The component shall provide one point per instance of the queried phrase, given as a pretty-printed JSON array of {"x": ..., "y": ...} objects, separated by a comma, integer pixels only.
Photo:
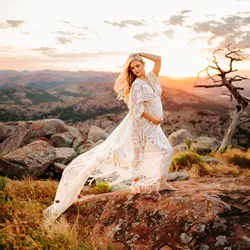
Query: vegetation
[
  {"x": 21, "y": 207},
  {"x": 22, "y": 202},
  {"x": 14, "y": 95},
  {"x": 186, "y": 160}
]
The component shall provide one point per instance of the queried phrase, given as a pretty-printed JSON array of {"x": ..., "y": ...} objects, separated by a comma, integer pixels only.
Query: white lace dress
[{"x": 136, "y": 148}]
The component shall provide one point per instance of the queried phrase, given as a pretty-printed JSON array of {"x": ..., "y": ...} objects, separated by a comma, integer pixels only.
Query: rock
[
  {"x": 109, "y": 129},
  {"x": 62, "y": 139},
  {"x": 205, "y": 144},
  {"x": 44, "y": 128},
  {"x": 31, "y": 160},
  {"x": 179, "y": 137},
  {"x": 180, "y": 147},
  {"x": 178, "y": 175},
  {"x": 96, "y": 133},
  {"x": 64, "y": 155},
  {"x": 59, "y": 167},
  {"x": 206, "y": 213},
  {"x": 18, "y": 134},
  {"x": 211, "y": 160}
]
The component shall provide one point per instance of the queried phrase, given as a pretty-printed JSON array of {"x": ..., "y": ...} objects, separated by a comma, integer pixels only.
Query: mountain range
[{"x": 77, "y": 97}]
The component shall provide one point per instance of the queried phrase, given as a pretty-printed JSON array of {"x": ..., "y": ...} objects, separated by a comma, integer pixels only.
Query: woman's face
[{"x": 137, "y": 67}]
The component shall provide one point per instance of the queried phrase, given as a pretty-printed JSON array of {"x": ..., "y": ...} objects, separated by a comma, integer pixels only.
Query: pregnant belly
[{"x": 155, "y": 108}]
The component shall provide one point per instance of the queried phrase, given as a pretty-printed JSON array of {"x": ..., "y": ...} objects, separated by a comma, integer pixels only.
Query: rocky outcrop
[
  {"x": 18, "y": 134},
  {"x": 210, "y": 213},
  {"x": 31, "y": 160},
  {"x": 179, "y": 137},
  {"x": 95, "y": 134},
  {"x": 201, "y": 145},
  {"x": 32, "y": 148}
]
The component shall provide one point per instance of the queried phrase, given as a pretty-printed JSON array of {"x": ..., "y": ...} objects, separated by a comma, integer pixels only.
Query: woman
[{"x": 136, "y": 154}]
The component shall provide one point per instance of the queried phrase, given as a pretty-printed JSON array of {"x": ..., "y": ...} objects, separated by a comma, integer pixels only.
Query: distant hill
[
  {"x": 15, "y": 94},
  {"x": 77, "y": 97},
  {"x": 46, "y": 79}
]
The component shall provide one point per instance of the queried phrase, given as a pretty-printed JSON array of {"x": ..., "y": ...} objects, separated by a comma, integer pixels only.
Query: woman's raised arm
[{"x": 156, "y": 59}]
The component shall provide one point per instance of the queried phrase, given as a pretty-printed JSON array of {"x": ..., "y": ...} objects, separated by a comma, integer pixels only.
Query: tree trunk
[{"x": 231, "y": 129}]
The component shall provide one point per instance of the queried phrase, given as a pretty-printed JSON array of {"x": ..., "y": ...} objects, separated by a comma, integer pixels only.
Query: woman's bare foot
[
  {"x": 135, "y": 189},
  {"x": 165, "y": 186}
]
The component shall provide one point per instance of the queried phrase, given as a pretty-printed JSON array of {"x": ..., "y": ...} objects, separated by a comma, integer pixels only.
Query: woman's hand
[{"x": 157, "y": 121}]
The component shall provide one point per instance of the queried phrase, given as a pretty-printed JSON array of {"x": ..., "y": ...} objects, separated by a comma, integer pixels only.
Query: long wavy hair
[{"x": 126, "y": 78}]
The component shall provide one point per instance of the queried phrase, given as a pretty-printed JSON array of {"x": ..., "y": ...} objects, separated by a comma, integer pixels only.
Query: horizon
[{"x": 76, "y": 35}]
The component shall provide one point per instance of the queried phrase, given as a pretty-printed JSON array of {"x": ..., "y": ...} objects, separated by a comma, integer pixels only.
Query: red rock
[{"x": 191, "y": 217}]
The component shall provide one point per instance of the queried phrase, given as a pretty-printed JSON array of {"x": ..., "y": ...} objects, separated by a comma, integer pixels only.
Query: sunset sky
[{"x": 99, "y": 35}]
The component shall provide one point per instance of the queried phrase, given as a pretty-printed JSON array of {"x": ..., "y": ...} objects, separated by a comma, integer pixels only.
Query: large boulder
[
  {"x": 71, "y": 138},
  {"x": 18, "y": 134},
  {"x": 204, "y": 144},
  {"x": 31, "y": 160},
  {"x": 64, "y": 155},
  {"x": 96, "y": 133},
  {"x": 206, "y": 213},
  {"x": 179, "y": 137}
]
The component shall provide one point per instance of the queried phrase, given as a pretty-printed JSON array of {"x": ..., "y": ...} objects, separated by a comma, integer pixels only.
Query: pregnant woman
[{"x": 137, "y": 154}]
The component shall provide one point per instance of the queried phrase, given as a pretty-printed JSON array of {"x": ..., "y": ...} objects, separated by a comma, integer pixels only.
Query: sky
[{"x": 100, "y": 34}]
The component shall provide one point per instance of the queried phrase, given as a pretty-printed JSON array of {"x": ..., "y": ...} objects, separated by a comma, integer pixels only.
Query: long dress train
[{"x": 136, "y": 148}]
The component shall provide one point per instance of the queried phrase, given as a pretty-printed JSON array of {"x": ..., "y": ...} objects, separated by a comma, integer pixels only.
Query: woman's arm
[
  {"x": 152, "y": 118},
  {"x": 156, "y": 59}
]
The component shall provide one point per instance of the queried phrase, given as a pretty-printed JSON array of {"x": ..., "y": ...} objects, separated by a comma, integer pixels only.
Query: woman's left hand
[{"x": 158, "y": 121}]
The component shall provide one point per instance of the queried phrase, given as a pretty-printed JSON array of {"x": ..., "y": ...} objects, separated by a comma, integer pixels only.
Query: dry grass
[
  {"x": 233, "y": 163},
  {"x": 22, "y": 204},
  {"x": 21, "y": 207}
]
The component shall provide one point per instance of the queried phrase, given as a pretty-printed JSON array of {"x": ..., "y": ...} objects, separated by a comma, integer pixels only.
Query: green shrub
[
  {"x": 241, "y": 161},
  {"x": 189, "y": 144},
  {"x": 3, "y": 182},
  {"x": 103, "y": 187},
  {"x": 187, "y": 159}
]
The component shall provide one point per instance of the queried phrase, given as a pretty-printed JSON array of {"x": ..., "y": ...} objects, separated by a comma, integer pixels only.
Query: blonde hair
[{"x": 126, "y": 78}]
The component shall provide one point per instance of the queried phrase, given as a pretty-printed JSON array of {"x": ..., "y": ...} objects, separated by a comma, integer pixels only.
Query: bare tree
[{"x": 216, "y": 76}]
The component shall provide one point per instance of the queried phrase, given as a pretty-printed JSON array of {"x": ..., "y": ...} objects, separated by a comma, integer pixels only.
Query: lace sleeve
[
  {"x": 137, "y": 97},
  {"x": 154, "y": 78}
]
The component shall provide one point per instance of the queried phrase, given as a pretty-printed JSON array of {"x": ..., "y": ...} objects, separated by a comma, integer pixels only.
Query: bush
[
  {"x": 186, "y": 159},
  {"x": 3, "y": 182},
  {"x": 241, "y": 161},
  {"x": 103, "y": 187}
]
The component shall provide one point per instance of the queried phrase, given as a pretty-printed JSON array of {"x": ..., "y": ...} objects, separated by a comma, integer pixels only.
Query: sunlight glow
[{"x": 99, "y": 35}]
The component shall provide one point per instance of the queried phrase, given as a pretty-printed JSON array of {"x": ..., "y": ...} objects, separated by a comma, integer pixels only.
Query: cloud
[
  {"x": 125, "y": 23},
  {"x": 65, "y": 33},
  {"x": 145, "y": 36},
  {"x": 231, "y": 29},
  {"x": 14, "y": 23},
  {"x": 169, "y": 33},
  {"x": 64, "y": 40},
  {"x": 11, "y": 24},
  {"x": 83, "y": 27},
  {"x": 185, "y": 11},
  {"x": 6, "y": 49},
  {"x": 52, "y": 53},
  {"x": 244, "y": 40},
  {"x": 3, "y": 25},
  {"x": 65, "y": 22},
  {"x": 44, "y": 49},
  {"x": 67, "y": 37},
  {"x": 178, "y": 19}
]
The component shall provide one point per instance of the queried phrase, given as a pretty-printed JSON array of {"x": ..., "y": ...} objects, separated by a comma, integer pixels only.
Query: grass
[
  {"x": 234, "y": 163},
  {"x": 23, "y": 202},
  {"x": 21, "y": 207}
]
